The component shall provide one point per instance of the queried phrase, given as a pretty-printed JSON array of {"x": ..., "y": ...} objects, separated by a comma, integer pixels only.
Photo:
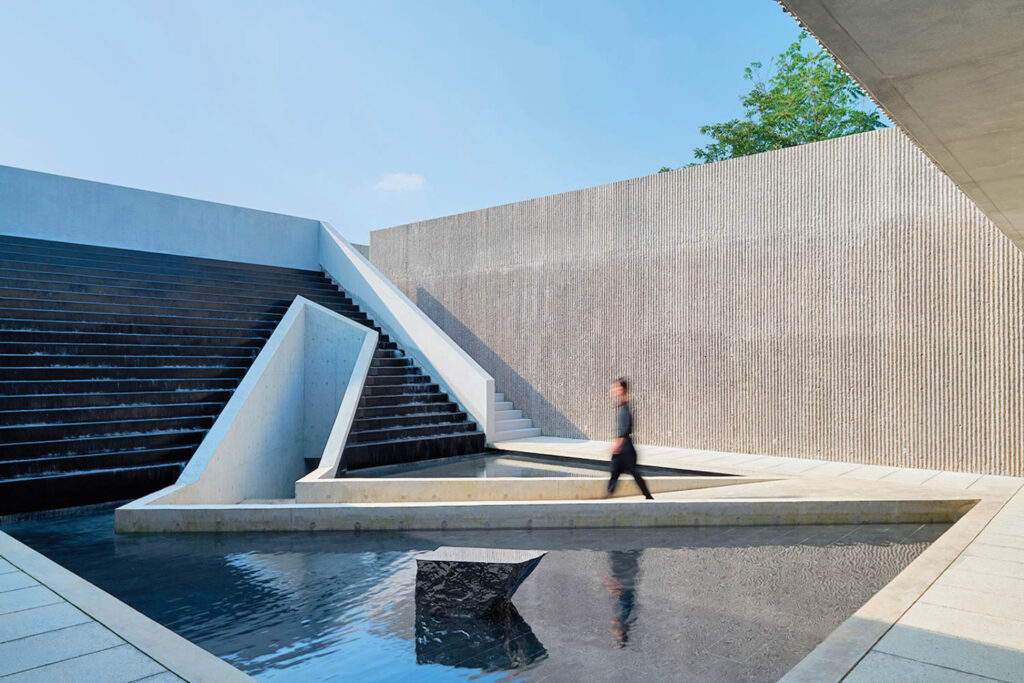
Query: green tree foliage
[{"x": 804, "y": 98}]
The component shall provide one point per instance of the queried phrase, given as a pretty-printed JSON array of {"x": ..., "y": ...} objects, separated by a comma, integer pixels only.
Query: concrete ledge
[
  {"x": 423, "y": 490},
  {"x": 539, "y": 515},
  {"x": 855, "y": 637},
  {"x": 178, "y": 655}
]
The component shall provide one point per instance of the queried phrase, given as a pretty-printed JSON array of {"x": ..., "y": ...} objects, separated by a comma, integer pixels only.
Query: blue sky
[{"x": 371, "y": 114}]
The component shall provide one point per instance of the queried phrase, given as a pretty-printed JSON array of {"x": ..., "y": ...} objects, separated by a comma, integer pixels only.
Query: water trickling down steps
[{"x": 114, "y": 364}]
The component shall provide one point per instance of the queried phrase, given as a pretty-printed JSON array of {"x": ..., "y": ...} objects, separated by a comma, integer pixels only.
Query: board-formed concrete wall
[{"x": 840, "y": 300}]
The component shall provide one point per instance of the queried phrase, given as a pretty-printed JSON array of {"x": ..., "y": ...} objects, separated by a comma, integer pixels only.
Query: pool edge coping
[{"x": 175, "y": 653}]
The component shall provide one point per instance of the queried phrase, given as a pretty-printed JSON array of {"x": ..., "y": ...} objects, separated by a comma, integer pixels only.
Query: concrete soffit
[{"x": 948, "y": 74}]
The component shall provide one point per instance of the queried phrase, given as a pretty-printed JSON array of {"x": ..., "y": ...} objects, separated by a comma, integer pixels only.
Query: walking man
[{"x": 623, "y": 453}]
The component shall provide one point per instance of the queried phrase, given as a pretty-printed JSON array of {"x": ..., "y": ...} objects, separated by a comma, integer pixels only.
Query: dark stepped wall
[{"x": 115, "y": 363}]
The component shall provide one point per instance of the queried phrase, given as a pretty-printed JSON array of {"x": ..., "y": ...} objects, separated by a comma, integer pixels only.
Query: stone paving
[
  {"x": 955, "y": 614},
  {"x": 55, "y": 626}
]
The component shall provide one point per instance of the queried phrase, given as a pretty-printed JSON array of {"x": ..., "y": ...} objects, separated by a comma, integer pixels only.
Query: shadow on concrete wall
[{"x": 550, "y": 420}]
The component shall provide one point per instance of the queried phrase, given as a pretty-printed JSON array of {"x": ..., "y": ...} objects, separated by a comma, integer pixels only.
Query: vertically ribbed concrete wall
[{"x": 841, "y": 300}]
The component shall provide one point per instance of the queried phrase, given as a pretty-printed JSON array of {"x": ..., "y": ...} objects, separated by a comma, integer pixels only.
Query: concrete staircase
[
  {"x": 115, "y": 363},
  {"x": 510, "y": 424}
]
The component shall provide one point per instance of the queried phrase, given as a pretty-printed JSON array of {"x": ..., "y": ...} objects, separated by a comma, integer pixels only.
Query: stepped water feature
[{"x": 114, "y": 364}]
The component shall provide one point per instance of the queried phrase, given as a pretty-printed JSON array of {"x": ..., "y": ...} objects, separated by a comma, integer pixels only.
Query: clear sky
[{"x": 371, "y": 113}]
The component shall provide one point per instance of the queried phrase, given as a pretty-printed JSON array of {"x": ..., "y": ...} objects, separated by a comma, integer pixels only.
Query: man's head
[{"x": 619, "y": 388}]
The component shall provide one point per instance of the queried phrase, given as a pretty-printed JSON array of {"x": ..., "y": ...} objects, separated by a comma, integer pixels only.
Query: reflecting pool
[
  {"x": 511, "y": 464},
  {"x": 721, "y": 604}
]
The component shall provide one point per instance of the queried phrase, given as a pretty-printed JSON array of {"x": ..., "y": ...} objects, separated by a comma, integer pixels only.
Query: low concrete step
[
  {"x": 513, "y": 425},
  {"x": 517, "y": 434}
]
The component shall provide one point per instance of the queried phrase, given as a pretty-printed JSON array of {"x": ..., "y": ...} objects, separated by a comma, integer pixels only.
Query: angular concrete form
[
  {"x": 950, "y": 73},
  {"x": 471, "y": 582}
]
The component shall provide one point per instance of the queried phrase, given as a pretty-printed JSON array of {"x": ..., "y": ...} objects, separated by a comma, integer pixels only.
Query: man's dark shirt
[
  {"x": 624, "y": 431},
  {"x": 623, "y": 421}
]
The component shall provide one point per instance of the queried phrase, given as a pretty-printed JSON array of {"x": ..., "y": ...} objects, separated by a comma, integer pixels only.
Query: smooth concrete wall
[
  {"x": 841, "y": 300},
  {"x": 283, "y": 411},
  {"x": 63, "y": 209}
]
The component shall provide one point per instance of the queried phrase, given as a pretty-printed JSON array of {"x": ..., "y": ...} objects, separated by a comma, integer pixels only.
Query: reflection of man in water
[
  {"x": 625, "y": 568},
  {"x": 623, "y": 453}
]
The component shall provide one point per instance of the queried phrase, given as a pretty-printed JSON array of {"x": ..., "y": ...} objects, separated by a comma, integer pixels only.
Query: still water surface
[{"x": 717, "y": 604}]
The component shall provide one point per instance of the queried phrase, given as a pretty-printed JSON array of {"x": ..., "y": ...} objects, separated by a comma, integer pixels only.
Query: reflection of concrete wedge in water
[
  {"x": 498, "y": 641},
  {"x": 470, "y": 581},
  {"x": 463, "y": 614}
]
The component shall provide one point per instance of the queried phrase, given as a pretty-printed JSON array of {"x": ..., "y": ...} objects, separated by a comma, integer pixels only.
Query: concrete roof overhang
[{"x": 949, "y": 73}]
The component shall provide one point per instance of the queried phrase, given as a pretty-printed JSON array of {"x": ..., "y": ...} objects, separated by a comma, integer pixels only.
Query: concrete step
[
  {"x": 113, "y": 413},
  {"x": 11, "y": 435},
  {"x": 513, "y": 425},
  {"x": 98, "y": 461},
  {"x": 72, "y": 489},
  {"x": 125, "y": 349},
  {"x": 103, "y": 386},
  {"x": 506, "y": 414},
  {"x": 70, "y": 401},
  {"x": 400, "y": 433},
  {"x": 387, "y": 422},
  {"x": 399, "y": 400},
  {"x": 15, "y": 378},
  {"x": 30, "y": 315},
  {"x": 304, "y": 286},
  {"x": 415, "y": 449},
  {"x": 415, "y": 389},
  {"x": 83, "y": 361},
  {"x": 517, "y": 434},
  {"x": 141, "y": 334},
  {"x": 86, "y": 255},
  {"x": 410, "y": 376},
  {"x": 403, "y": 409},
  {"x": 27, "y": 306},
  {"x": 11, "y": 327},
  {"x": 46, "y": 289},
  {"x": 102, "y": 444}
]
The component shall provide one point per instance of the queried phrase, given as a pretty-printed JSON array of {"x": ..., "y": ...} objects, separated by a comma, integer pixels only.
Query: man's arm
[{"x": 617, "y": 445}]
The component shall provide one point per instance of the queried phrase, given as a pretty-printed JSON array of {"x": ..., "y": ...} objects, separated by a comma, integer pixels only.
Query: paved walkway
[
  {"x": 55, "y": 626},
  {"x": 954, "y": 614}
]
